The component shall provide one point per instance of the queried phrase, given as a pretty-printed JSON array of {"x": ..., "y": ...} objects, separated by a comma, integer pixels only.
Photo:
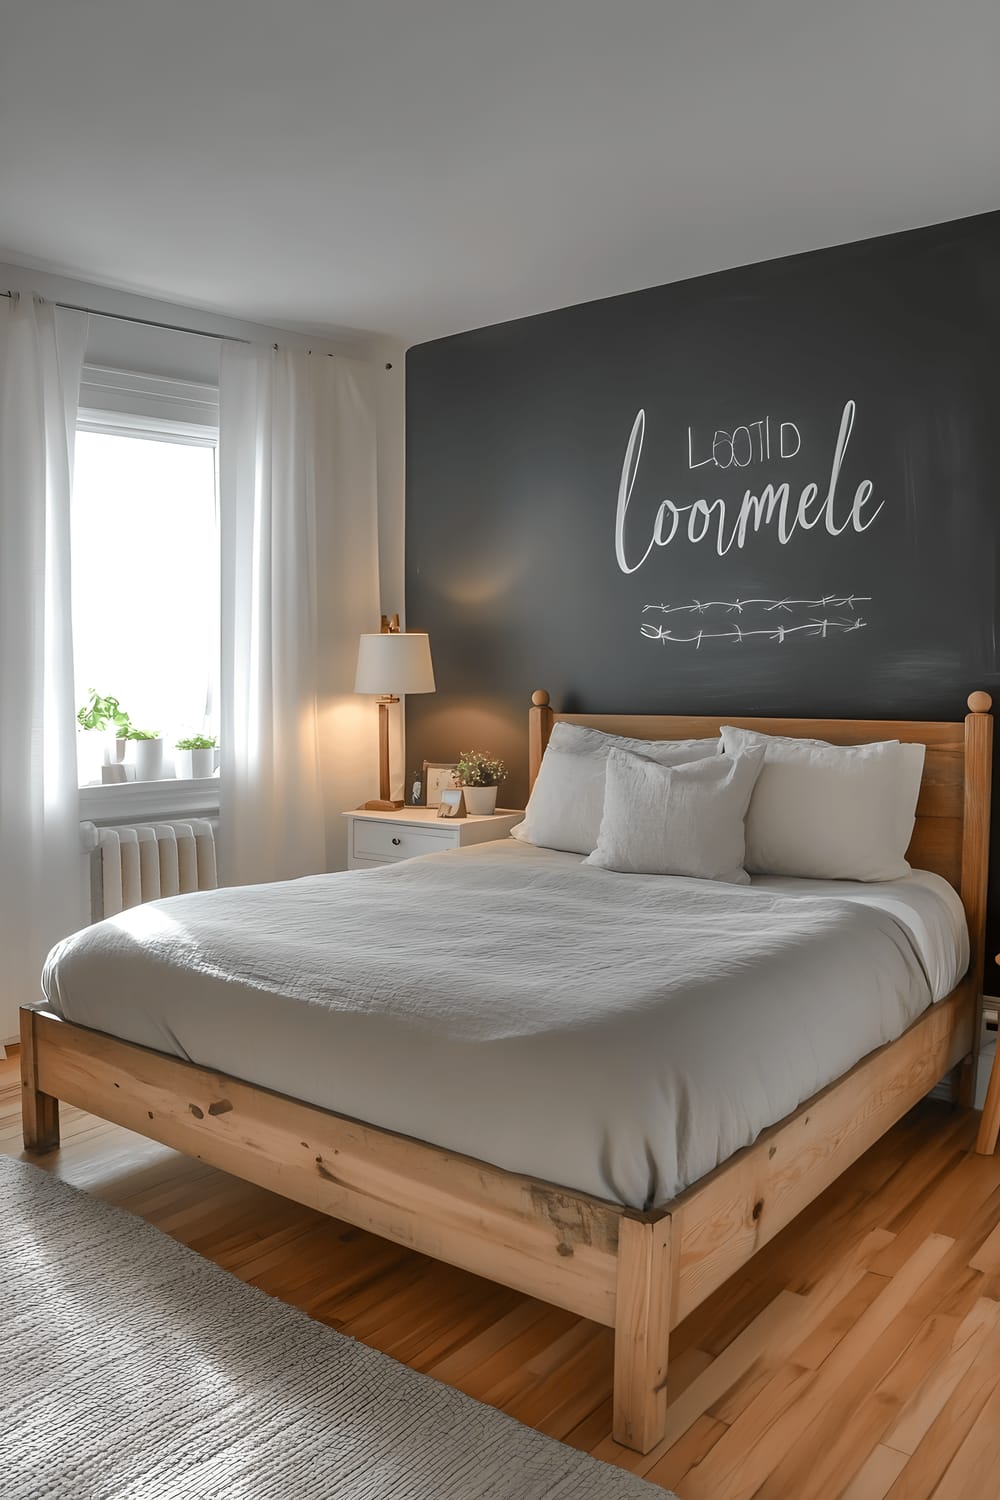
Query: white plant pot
[
  {"x": 114, "y": 748},
  {"x": 480, "y": 800},
  {"x": 148, "y": 759},
  {"x": 190, "y": 765},
  {"x": 90, "y": 752}
]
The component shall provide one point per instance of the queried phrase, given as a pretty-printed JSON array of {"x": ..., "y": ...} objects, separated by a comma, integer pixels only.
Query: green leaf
[{"x": 474, "y": 768}]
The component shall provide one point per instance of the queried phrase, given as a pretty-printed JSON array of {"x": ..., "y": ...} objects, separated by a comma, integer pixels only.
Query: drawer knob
[{"x": 397, "y": 841}]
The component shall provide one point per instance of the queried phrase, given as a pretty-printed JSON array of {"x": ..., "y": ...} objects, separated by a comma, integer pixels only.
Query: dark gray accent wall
[{"x": 557, "y": 539}]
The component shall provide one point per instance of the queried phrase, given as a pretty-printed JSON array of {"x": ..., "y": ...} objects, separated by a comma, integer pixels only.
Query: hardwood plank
[
  {"x": 932, "y": 1394},
  {"x": 743, "y": 1462},
  {"x": 876, "y": 1476},
  {"x": 453, "y": 1366},
  {"x": 817, "y": 1312},
  {"x": 688, "y": 1450},
  {"x": 861, "y": 1408},
  {"x": 592, "y": 1430},
  {"x": 820, "y": 1344},
  {"x": 560, "y": 1394},
  {"x": 947, "y": 1204},
  {"x": 921, "y": 1476},
  {"x": 973, "y": 1470},
  {"x": 987, "y": 1257},
  {"x": 585, "y": 1385}
]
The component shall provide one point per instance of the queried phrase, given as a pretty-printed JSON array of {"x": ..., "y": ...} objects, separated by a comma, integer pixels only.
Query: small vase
[
  {"x": 480, "y": 800},
  {"x": 192, "y": 765},
  {"x": 114, "y": 749},
  {"x": 148, "y": 759}
]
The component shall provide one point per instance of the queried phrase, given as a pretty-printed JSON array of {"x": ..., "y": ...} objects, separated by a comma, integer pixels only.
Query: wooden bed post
[
  {"x": 647, "y": 1280},
  {"x": 39, "y": 1112},
  {"x": 540, "y": 719},
  {"x": 975, "y": 863}
]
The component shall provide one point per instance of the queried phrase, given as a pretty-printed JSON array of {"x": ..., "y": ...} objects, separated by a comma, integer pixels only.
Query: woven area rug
[{"x": 133, "y": 1369}]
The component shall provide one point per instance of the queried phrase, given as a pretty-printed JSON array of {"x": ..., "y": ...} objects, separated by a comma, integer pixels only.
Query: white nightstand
[{"x": 381, "y": 838}]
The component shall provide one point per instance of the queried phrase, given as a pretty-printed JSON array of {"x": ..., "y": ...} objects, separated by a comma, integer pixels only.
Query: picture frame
[
  {"x": 438, "y": 775},
  {"x": 452, "y": 804}
]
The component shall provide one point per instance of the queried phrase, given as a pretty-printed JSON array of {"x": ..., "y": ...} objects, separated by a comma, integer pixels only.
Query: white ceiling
[{"x": 416, "y": 167}]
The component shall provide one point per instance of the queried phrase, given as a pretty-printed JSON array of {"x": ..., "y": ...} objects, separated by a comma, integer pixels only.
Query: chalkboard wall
[{"x": 768, "y": 491}]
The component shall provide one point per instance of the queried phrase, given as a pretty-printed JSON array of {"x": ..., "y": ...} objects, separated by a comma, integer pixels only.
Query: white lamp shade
[{"x": 394, "y": 663}]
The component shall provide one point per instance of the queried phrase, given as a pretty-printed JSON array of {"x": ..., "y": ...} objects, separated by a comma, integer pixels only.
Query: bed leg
[
  {"x": 646, "y": 1284},
  {"x": 39, "y": 1112},
  {"x": 989, "y": 1125}
]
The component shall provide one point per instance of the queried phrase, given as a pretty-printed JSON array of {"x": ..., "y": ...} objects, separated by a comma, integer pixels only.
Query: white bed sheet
[
  {"x": 616, "y": 1034},
  {"x": 925, "y": 904}
]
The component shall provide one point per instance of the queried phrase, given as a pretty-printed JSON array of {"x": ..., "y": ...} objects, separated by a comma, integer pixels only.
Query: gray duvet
[{"x": 620, "y": 1035}]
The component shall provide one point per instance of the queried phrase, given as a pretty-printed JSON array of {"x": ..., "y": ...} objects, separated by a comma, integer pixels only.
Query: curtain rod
[{"x": 199, "y": 333}]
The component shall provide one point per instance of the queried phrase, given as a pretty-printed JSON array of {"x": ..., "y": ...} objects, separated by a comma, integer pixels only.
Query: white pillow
[
  {"x": 830, "y": 812},
  {"x": 567, "y": 800},
  {"x": 685, "y": 820}
]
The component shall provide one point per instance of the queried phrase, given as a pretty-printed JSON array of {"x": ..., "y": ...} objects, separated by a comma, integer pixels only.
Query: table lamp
[{"x": 389, "y": 664}]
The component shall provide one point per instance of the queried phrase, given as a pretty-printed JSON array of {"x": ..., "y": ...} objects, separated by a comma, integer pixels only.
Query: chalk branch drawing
[{"x": 779, "y": 631}]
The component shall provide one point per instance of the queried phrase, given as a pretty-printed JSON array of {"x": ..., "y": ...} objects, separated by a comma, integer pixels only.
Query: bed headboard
[{"x": 951, "y": 836}]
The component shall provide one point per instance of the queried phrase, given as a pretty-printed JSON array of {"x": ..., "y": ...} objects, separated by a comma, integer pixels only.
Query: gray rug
[{"x": 133, "y": 1369}]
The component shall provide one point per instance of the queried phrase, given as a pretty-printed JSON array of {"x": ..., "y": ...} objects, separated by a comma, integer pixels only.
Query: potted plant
[
  {"x": 195, "y": 756},
  {"x": 106, "y": 715},
  {"x": 148, "y": 753},
  {"x": 479, "y": 775}
]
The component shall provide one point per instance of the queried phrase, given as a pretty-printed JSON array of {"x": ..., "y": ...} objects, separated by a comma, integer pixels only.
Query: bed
[{"x": 595, "y": 1198}]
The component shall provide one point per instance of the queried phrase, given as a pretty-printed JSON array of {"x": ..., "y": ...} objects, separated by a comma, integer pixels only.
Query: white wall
[{"x": 184, "y": 356}]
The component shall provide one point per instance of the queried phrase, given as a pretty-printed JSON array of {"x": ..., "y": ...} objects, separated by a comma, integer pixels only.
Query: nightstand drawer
[
  {"x": 395, "y": 841},
  {"x": 381, "y": 837}
]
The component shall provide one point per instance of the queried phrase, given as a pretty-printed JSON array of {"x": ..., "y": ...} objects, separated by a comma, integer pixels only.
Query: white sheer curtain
[
  {"x": 297, "y": 479},
  {"x": 41, "y": 359}
]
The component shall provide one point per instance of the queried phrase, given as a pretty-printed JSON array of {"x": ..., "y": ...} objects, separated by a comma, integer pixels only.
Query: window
[{"x": 145, "y": 556}]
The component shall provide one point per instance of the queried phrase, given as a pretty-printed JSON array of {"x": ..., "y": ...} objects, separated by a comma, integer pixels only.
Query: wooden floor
[{"x": 857, "y": 1356}]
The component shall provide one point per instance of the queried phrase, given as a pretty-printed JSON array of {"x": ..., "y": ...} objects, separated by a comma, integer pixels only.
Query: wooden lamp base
[{"x": 383, "y": 802}]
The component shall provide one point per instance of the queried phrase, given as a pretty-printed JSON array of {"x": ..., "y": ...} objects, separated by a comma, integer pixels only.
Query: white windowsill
[{"x": 127, "y": 801}]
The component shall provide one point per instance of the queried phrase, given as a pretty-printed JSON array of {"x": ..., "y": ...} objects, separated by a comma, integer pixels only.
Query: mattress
[{"x": 620, "y": 1035}]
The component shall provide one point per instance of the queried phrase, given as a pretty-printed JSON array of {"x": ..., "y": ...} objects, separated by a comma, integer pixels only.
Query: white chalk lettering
[
  {"x": 789, "y": 452},
  {"x": 713, "y": 519}
]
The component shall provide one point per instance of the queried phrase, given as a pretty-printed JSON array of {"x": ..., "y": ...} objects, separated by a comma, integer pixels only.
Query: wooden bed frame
[{"x": 640, "y": 1273}]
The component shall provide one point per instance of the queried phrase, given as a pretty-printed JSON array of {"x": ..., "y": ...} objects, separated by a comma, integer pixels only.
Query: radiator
[{"x": 139, "y": 862}]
